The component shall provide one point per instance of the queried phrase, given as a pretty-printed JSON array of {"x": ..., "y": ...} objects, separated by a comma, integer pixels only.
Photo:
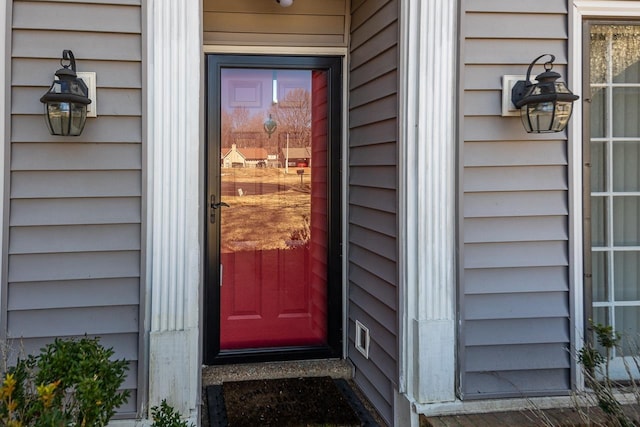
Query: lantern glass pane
[
  {"x": 537, "y": 118},
  {"x": 563, "y": 113},
  {"x": 65, "y": 118},
  {"x": 561, "y": 87},
  {"x": 78, "y": 118},
  {"x": 57, "y": 117}
]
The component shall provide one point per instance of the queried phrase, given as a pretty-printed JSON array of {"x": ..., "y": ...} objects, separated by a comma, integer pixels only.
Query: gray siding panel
[
  {"x": 516, "y": 26},
  {"x": 515, "y": 178},
  {"x": 111, "y": 74},
  {"x": 515, "y": 254},
  {"x": 77, "y": 238},
  {"x": 89, "y": 45},
  {"x": 382, "y": 64},
  {"x": 377, "y": 265},
  {"x": 381, "y": 222},
  {"x": 373, "y": 183},
  {"x": 373, "y": 133},
  {"x": 314, "y": 23},
  {"x": 107, "y": 210},
  {"x": 31, "y": 184},
  {"x": 508, "y": 153},
  {"x": 514, "y": 269},
  {"x": 497, "y": 332},
  {"x": 28, "y": 128},
  {"x": 75, "y": 221},
  {"x": 381, "y": 154},
  {"x": 516, "y": 306},
  {"x": 74, "y": 293},
  {"x": 373, "y": 198},
  {"x": 517, "y": 357},
  {"x": 51, "y": 156},
  {"x": 373, "y": 176},
  {"x": 95, "y": 18},
  {"x": 511, "y": 203},
  {"x": 373, "y": 241},
  {"x": 532, "y": 382},
  {"x": 515, "y": 280},
  {"x": 71, "y": 266},
  {"x": 540, "y": 6},
  {"x": 73, "y": 321},
  {"x": 511, "y": 229}
]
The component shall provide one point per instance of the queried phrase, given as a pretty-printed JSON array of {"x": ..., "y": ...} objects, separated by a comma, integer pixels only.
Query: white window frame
[{"x": 581, "y": 10}]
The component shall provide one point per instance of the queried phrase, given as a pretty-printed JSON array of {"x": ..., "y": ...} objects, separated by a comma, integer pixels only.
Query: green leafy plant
[
  {"x": 166, "y": 416},
  {"x": 70, "y": 382},
  {"x": 596, "y": 369}
]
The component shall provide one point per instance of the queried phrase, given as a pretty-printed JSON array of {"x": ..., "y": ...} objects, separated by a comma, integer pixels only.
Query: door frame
[
  {"x": 212, "y": 354},
  {"x": 621, "y": 366},
  {"x": 579, "y": 11}
]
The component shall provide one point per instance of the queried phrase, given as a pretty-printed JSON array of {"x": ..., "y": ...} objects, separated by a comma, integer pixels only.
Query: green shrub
[
  {"x": 166, "y": 416},
  {"x": 71, "y": 382}
]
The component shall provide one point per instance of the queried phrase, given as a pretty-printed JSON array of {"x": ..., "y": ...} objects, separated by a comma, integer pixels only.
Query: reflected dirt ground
[{"x": 268, "y": 209}]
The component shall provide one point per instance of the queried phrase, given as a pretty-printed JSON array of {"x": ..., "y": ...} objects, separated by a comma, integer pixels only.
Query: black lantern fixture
[
  {"x": 65, "y": 104},
  {"x": 545, "y": 106},
  {"x": 270, "y": 126}
]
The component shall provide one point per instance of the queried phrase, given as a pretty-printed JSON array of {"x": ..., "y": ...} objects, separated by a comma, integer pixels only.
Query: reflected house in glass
[
  {"x": 297, "y": 156},
  {"x": 244, "y": 157}
]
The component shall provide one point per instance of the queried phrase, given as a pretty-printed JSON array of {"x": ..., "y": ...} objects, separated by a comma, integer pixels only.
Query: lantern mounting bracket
[
  {"x": 522, "y": 86},
  {"x": 545, "y": 106}
]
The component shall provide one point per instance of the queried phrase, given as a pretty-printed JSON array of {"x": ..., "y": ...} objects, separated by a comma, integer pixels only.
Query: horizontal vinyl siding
[
  {"x": 514, "y": 298},
  {"x": 75, "y": 202},
  {"x": 373, "y": 223},
  {"x": 249, "y": 22}
]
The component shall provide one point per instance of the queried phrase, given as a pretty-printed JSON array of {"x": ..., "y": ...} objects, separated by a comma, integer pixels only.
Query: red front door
[{"x": 269, "y": 208}]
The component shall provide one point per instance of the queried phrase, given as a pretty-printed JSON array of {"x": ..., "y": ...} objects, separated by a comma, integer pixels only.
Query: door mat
[{"x": 289, "y": 402}]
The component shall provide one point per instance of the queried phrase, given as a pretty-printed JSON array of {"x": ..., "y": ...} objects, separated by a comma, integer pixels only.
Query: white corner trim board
[
  {"x": 5, "y": 71},
  {"x": 173, "y": 191},
  {"x": 428, "y": 45}
]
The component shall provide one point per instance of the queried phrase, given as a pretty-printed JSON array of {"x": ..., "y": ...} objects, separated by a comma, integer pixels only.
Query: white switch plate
[
  {"x": 508, "y": 81},
  {"x": 89, "y": 78}
]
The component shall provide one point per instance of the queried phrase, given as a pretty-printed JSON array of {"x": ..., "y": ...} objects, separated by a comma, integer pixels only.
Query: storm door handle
[{"x": 214, "y": 206}]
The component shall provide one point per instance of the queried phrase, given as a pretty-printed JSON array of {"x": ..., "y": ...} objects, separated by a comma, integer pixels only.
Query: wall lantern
[
  {"x": 270, "y": 126},
  {"x": 284, "y": 3},
  {"x": 65, "y": 104},
  {"x": 545, "y": 106}
]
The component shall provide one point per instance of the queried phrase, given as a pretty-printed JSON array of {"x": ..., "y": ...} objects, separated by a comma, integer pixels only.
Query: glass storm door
[
  {"x": 614, "y": 144},
  {"x": 270, "y": 217}
]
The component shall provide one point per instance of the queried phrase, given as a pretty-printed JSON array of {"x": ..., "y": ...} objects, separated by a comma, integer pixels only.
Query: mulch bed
[{"x": 289, "y": 402}]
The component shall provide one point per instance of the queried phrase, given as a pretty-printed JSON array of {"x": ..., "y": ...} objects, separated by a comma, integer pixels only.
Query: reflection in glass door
[
  {"x": 272, "y": 237},
  {"x": 614, "y": 64},
  {"x": 273, "y": 201}
]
